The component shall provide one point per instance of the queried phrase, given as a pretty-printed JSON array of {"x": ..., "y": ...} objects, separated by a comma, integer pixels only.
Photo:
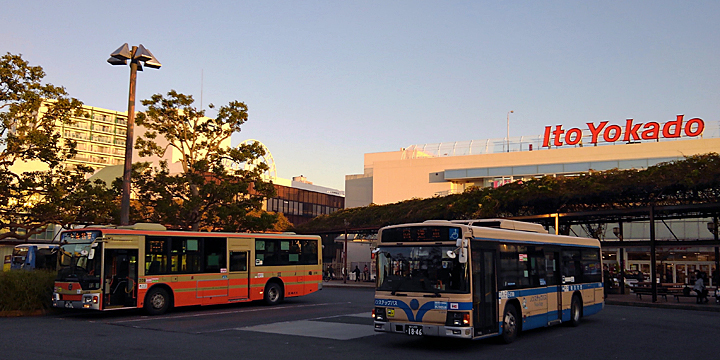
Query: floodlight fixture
[
  {"x": 122, "y": 53},
  {"x": 142, "y": 54},
  {"x": 116, "y": 61}
]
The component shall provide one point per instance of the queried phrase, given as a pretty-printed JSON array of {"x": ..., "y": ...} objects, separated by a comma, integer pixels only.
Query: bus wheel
[
  {"x": 157, "y": 301},
  {"x": 273, "y": 294},
  {"x": 575, "y": 311},
  {"x": 510, "y": 324}
]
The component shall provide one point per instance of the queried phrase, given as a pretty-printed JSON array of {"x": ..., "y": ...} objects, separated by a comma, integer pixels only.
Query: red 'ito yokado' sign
[{"x": 631, "y": 132}]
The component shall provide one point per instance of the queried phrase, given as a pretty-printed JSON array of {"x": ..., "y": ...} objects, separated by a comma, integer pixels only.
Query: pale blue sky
[{"x": 328, "y": 81}]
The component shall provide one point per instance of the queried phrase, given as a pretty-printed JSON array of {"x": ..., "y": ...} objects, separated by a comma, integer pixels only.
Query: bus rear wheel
[
  {"x": 273, "y": 294},
  {"x": 510, "y": 324},
  {"x": 575, "y": 311},
  {"x": 157, "y": 301}
]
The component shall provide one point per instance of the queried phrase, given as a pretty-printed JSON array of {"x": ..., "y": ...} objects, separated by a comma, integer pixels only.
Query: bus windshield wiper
[
  {"x": 436, "y": 294},
  {"x": 397, "y": 286}
]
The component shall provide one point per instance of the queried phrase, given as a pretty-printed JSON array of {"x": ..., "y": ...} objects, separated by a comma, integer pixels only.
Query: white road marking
[
  {"x": 312, "y": 328},
  {"x": 318, "y": 329}
]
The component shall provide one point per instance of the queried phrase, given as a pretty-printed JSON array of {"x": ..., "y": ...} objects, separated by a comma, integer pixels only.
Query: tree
[
  {"x": 213, "y": 192},
  {"x": 30, "y": 115}
]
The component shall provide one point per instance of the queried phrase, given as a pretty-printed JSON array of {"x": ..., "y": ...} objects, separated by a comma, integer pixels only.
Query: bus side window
[{"x": 238, "y": 261}]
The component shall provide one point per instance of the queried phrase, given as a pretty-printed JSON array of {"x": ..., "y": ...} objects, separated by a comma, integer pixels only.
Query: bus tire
[
  {"x": 157, "y": 301},
  {"x": 575, "y": 311},
  {"x": 273, "y": 294},
  {"x": 511, "y": 327}
]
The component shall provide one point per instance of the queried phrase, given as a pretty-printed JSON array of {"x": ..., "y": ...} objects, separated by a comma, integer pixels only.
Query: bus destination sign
[
  {"x": 420, "y": 234},
  {"x": 83, "y": 236}
]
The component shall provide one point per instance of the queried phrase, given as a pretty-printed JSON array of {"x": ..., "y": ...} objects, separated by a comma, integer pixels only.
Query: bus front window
[
  {"x": 76, "y": 264},
  {"x": 19, "y": 255},
  {"x": 420, "y": 269}
]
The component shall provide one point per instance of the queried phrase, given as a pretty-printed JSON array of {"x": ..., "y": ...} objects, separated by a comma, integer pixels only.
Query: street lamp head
[
  {"x": 153, "y": 63},
  {"x": 116, "y": 61},
  {"x": 122, "y": 53},
  {"x": 142, "y": 55}
]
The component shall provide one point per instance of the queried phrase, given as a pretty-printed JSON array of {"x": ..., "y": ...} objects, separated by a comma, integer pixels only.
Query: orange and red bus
[{"x": 147, "y": 266}]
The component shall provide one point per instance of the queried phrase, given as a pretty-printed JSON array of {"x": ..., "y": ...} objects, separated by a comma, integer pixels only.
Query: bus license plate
[
  {"x": 68, "y": 305},
  {"x": 414, "y": 330}
]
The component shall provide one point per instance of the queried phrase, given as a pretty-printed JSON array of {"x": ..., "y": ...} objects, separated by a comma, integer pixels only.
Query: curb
[
  {"x": 23, "y": 313},
  {"x": 348, "y": 285}
]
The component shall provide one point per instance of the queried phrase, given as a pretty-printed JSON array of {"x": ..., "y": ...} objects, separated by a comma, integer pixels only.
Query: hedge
[{"x": 26, "y": 290}]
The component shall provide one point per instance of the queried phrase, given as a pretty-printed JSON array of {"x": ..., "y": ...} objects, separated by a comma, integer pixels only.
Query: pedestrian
[
  {"x": 640, "y": 276},
  {"x": 331, "y": 272},
  {"x": 699, "y": 288},
  {"x": 366, "y": 273},
  {"x": 607, "y": 280},
  {"x": 357, "y": 273}
]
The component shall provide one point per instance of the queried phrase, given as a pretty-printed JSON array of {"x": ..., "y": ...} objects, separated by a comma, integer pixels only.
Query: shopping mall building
[{"x": 422, "y": 171}]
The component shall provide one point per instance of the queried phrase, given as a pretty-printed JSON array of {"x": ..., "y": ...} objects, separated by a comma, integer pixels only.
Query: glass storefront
[{"x": 674, "y": 265}]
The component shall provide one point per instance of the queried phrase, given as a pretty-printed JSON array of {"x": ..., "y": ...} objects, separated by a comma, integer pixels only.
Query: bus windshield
[
  {"x": 77, "y": 264},
  {"x": 420, "y": 269},
  {"x": 18, "y": 257}
]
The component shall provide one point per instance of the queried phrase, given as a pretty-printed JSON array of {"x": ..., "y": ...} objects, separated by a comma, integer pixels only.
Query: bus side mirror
[
  {"x": 91, "y": 255},
  {"x": 463, "y": 256},
  {"x": 463, "y": 251}
]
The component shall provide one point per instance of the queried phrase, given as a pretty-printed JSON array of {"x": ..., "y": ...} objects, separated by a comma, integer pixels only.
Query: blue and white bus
[
  {"x": 474, "y": 279},
  {"x": 34, "y": 256}
]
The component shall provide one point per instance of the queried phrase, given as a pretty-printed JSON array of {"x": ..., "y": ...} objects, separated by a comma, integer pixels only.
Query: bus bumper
[
  {"x": 427, "y": 330},
  {"x": 89, "y": 301}
]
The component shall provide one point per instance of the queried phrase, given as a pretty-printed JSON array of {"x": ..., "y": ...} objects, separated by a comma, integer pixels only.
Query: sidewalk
[
  {"x": 349, "y": 284},
  {"x": 630, "y": 299}
]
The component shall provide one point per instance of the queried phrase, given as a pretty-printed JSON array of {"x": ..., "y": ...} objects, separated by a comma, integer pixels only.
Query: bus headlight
[
  {"x": 457, "y": 318},
  {"x": 379, "y": 314}
]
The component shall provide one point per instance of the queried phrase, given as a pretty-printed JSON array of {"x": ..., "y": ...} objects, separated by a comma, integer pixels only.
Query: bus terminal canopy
[
  {"x": 615, "y": 216},
  {"x": 647, "y": 213}
]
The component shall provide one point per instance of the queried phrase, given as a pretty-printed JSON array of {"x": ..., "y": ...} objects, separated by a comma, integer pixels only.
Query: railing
[{"x": 523, "y": 143}]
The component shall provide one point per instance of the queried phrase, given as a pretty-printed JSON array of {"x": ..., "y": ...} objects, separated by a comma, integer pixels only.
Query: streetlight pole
[
  {"x": 507, "y": 138},
  {"x": 137, "y": 55}
]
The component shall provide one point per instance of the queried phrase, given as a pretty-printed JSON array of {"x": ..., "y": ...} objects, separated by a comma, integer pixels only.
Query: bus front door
[
  {"x": 484, "y": 290},
  {"x": 120, "y": 278}
]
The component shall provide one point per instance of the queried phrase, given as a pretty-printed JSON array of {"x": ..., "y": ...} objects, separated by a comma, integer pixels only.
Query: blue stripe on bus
[
  {"x": 512, "y": 294},
  {"x": 432, "y": 305},
  {"x": 537, "y": 242}
]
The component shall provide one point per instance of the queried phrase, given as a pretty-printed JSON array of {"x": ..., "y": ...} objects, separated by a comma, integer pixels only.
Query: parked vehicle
[
  {"x": 631, "y": 278},
  {"x": 34, "y": 256}
]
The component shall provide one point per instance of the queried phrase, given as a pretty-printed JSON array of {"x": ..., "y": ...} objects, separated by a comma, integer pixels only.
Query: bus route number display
[
  {"x": 80, "y": 236},
  {"x": 420, "y": 234}
]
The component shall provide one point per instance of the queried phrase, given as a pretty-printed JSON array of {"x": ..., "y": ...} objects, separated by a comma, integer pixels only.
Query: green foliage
[
  {"x": 29, "y": 201},
  {"x": 694, "y": 180},
  {"x": 26, "y": 290},
  {"x": 208, "y": 194}
]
